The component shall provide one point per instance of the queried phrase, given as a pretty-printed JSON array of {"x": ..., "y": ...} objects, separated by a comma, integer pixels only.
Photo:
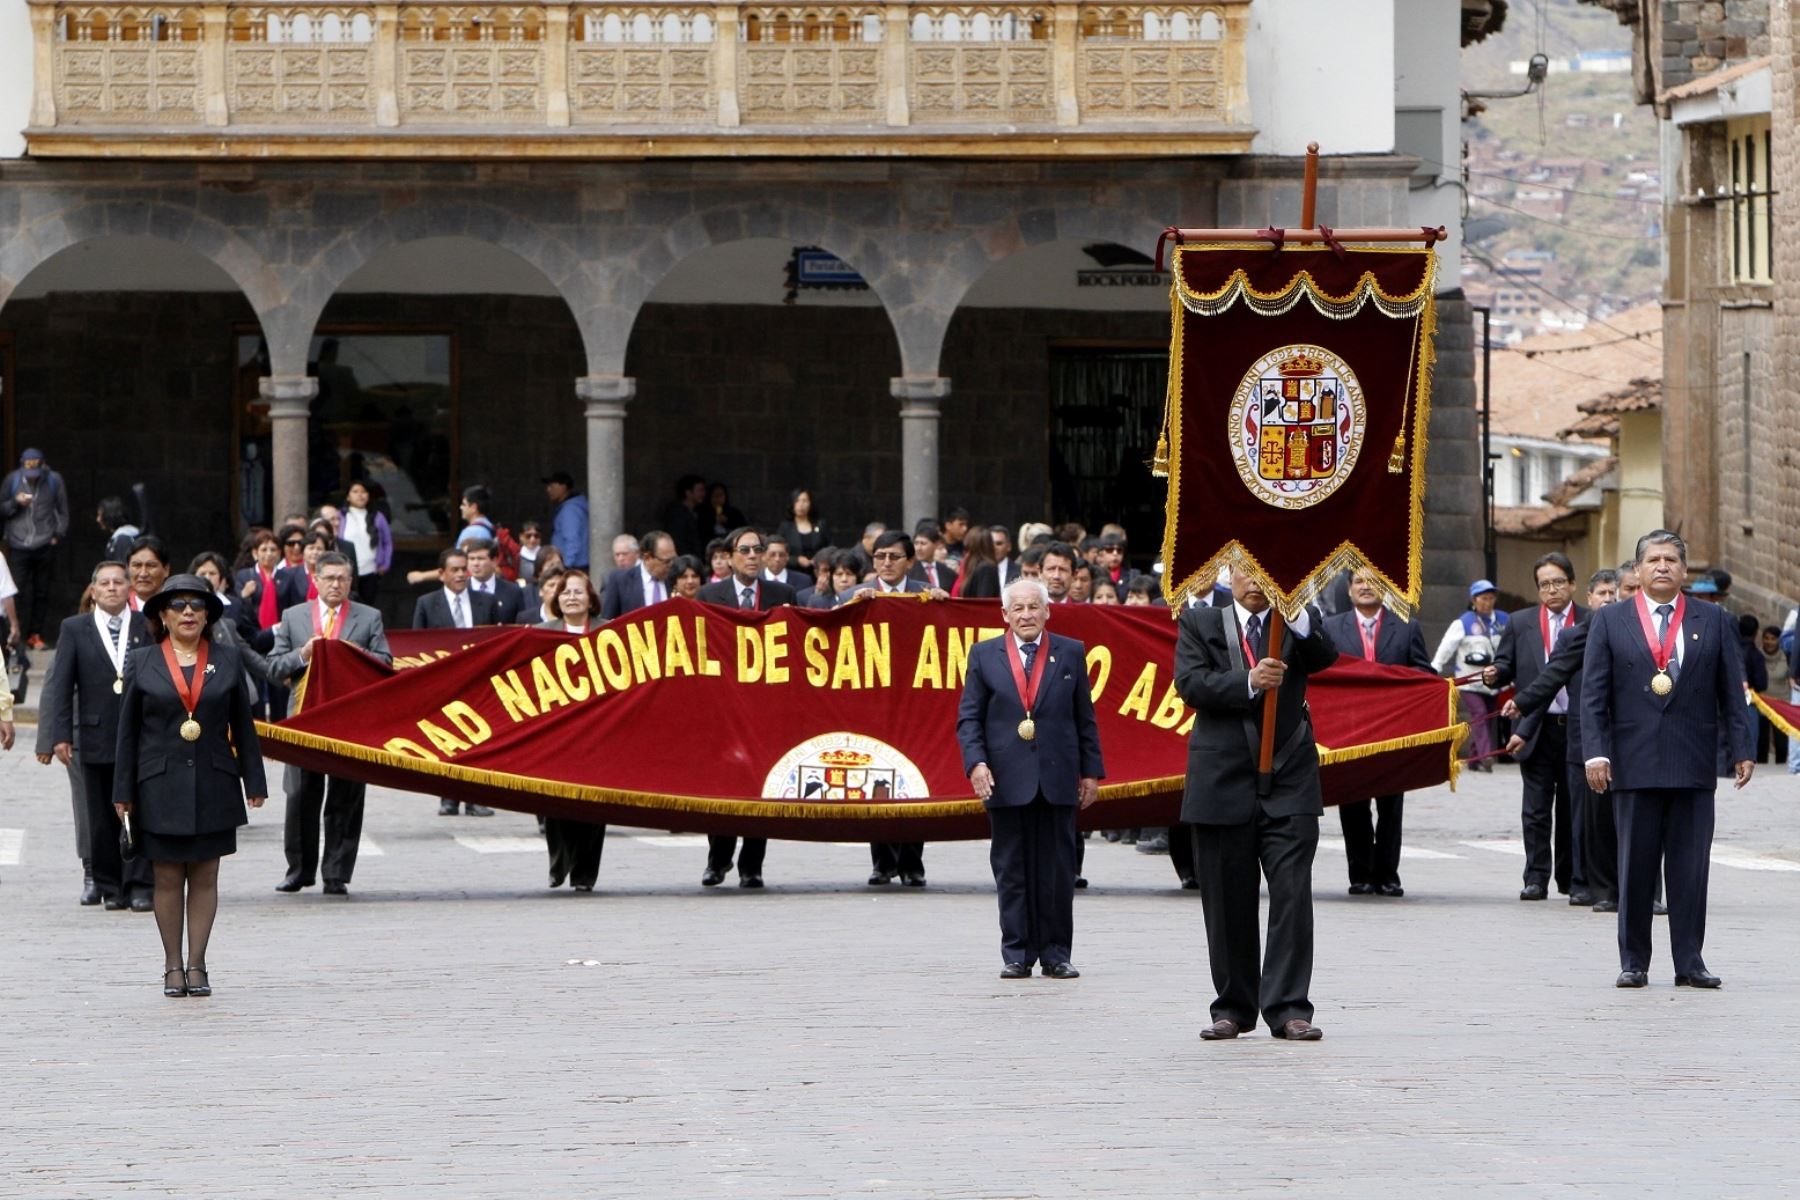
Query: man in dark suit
[
  {"x": 1031, "y": 748},
  {"x": 81, "y": 704},
  {"x": 451, "y": 605},
  {"x": 893, "y": 557},
  {"x": 1370, "y": 632},
  {"x": 1003, "y": 554},
  {"x": 745, "y": 589},
  {"x": 775, "y": 564},
  {"x": 1546, "y": 807},
  {"x": 642, "y": 584},
  {"x": 510, "y": 603},
  {"x": 1223, "y": 667},
  {"x": 1599, "y": 837},
  {"x": 928, "y": 550},
  {"x": 1663, "y": 681},
  {"x": 333, "y": 616}
]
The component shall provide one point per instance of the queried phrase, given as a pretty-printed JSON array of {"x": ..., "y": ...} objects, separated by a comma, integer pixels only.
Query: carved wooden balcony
[{"x": 287, "y": 78}]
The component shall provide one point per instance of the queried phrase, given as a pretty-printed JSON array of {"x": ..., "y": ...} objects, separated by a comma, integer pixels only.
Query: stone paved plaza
[{"x": 454, "y": 1028}]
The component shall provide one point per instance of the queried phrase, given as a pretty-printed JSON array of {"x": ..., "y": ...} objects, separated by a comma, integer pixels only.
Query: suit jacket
[
  {"x": 794, "y": 579},
  {"x": 1225, "y": 747},
  {"x": 509, "y": 602},
  {"x": 290, "y": 589},
  {"x": 433, "y": 611},
  {"x": 623, "y": 592},
  {"x": 983, "y": 583},
  {"x": 1563, "y": 670},
  {"x": 1520, "y": 655},
  {"x": 725, "y": 592},
  {"x": 362, "y": 627},
  {"x": 182, "y": 788},
  {"x": 1397, "y": 642},
  {"x": 1066, "y": 749},
  {"x": 1663, "y": 741},
  {"x": 945, "y": 572},
  {"x": 79, "y": 703}
]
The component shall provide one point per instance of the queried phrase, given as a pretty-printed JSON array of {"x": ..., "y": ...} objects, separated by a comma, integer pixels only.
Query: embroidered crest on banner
[
  {"x": 1297, "y": 423},
  {"x": 844, "y": 766}
]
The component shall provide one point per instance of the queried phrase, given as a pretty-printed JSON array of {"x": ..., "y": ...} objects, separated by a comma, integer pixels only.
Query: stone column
[
  {"x": 605, "y": 398},
  {"x": 921, "y": 400},
  {"x": 290, "y": 400}
]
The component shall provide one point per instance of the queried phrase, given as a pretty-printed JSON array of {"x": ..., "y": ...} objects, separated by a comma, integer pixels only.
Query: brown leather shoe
[
  {"x": 1222, "y": 1030},
  {"x": 1298, "y": 1030}
]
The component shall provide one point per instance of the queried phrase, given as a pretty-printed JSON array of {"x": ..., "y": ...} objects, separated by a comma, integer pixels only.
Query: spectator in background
[
  {"x": 116, "y": 527},
  {"x": 512, "y": 603},
  {"x": 1071, "y": 533},
  {"x": 35, "y": 507},
  {"x": 819, "y": 584},
  {"x": 718, "y": 518},
  {"x": 775, "y": 564},
  {"x": 476, "y": 500},
  {"x": 569, "y": 520},
  {"x": 1143, "y": 591},
  {"x": 848, "y": 568},
  {"x": 531, "y": 544},
  {"x": 956, "y": 529},
  {"x": 625, "y": 552},
  {"x": 1031, "y": 564},
  {"x": 1081, "y": 584},
  {"x": 644, "y": 582},
  {"x": 718, "y": 555},
  {"x": 1468, "y": 648},
  {"x": 370, "y": 540},
  {"x": 872, "y": 531},
  {"x": 1056, "y": 568},
  {"x": 804, "y": 532},
  {"x": 1031, "y": 533},
  {"x": 978, "y": 574},
  {"x": 1005, "y": 565},
  {"x": 1775, "y": 662},
  {"x": 683, "y": 518},
  {"x": 546, "y": 585},
  {"x": 1104, "y": 592},
  {"x": 928, "y": 547},
  {"x": 684, "y": 576},
  {"x": 1111, "y": 559}
]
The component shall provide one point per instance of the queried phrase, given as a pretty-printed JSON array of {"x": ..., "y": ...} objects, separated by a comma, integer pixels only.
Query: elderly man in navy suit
[
  {"x": 1031, "y": 748},
  {"x": 1663, "y": 678}
]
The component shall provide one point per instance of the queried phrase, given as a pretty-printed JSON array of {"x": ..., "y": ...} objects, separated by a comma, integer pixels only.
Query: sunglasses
[
  {"x": 293, "y": 543},
  {"x": 186, "y": 604},
  {"x": 750, "y": 549}
]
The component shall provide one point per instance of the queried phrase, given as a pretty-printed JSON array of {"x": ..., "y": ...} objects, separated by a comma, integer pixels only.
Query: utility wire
[
  {"x": 1584, "y": 230},
  {"x": 1492, "y": 265}
]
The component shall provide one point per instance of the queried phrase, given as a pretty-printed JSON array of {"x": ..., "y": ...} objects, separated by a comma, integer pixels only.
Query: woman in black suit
[
  {"x": 979, "y": 577},
  {"x": 187, "y": 761},
  {"x": 575, "y": 846},
  {"x": 804, "y": 532}
]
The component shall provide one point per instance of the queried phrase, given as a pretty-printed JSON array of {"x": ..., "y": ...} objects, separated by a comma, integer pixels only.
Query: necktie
[
  {"x": 1663, "y": 614},
  {"x": 660, "y": 595},
  {"x": 1029, "y": 649},
  {"x": 461, "y": 613},
  {"x": 113, "y": 625},
  {"x": 1256, "y": 638},
  {"x": 1369, "y": 638},
  {"x": 748, "y": 598}
]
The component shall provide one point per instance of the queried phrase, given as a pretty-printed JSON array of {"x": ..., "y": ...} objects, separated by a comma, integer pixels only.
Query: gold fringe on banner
[{"x": 1776, "y": 719}]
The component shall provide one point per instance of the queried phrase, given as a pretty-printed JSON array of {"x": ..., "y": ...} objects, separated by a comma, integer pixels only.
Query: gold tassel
[
  {"x": 1159, "y": 466},
  {"x": 1397, "y": 460}
]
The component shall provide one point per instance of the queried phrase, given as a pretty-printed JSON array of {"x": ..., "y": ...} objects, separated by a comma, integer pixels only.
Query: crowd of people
[{"x": 319, "y": 575}]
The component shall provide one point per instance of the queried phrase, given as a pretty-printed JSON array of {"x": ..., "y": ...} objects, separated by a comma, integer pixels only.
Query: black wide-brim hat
[{"x": 176, "y": 585}]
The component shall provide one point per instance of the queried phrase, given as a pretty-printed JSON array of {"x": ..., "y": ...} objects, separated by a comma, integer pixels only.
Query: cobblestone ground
[{"x": 454, "y": 1026}]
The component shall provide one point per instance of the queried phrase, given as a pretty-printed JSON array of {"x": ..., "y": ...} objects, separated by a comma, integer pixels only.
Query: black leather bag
[{"x": 127, "y": 844}]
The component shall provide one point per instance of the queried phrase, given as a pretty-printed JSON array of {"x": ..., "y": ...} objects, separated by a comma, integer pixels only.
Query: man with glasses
[
  {"x": 893, "y": 558},
  {"x": 332, "y": 617},
  {"x": 642, "y": 584},
  {"x": 744, "y": 589},
  {"x": 1546, "y": 812}
]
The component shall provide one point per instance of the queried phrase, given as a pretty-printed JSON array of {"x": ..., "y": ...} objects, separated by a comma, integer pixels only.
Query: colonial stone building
[{"x": 895, "y": 253}]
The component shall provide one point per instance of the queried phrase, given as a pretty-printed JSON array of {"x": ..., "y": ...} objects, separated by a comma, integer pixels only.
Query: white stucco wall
[
  {"x": 1322, "y": 71},
  {"x": 15, "y": 76},
  {"x": 1427, "y": 75}
]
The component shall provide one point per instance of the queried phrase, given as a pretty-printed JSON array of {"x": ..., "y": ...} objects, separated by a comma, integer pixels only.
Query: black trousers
[
  {"x": 115, "y": 877},
  {"x": 32, "y": 570},
  {"x": 1229, "y": 858},
  {"x": 1032, "y": 851},
  {"x": 1769, "y": 740},
  {"x": 575, "y": 849},
  {"x": 1545, "y": 813},
  {"x": 719, "y": 850},
  {"x": 1373, "y": 850},
  {"x": 342, "y": 801},
  {"x": 1599, "y": 850},
  {"x": 1675, "y": 826},
  {"x": 898, "y": 858},
  {"x": 1181, "y": 851}
]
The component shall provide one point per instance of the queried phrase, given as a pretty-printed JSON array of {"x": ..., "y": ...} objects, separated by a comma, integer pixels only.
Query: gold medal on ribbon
[
  {"x": 1661, "y": 684},
  {"x": 1027, "y": 729},
  {"x": 119, "y": 687},
  {"x": 190, "y": 730}
]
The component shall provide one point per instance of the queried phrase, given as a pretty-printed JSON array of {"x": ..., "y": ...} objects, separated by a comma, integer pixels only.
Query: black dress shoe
[
  {"x": 198, "y": 983},
  {"x": 1189, "y": 884},
  {"x": 584, "y": 887},
  {"x": 1016, "y": 971},
  {"x": 117, "y": 903},
  {"x": 1534, "y": 891},
  {"x": 1699, "y": 979},
  {"x": 556, "y": 879},
  {"x": 477, "y": 810},
  {"x": 90, "y": 891},
  {"x": 749, "y": 881},
  {"x": 290, "y": 884},
  {"x": 1390, "y": 889},
  {"x": 1080, "y": 881},
  {"x": 141, "y": 903},
  {"x": 913, "y": 880},
  {"x": 1362, "y": 889},
  {"x": 712, "y": 878},
  {"x": 1581, "y": 899},
  {"x": 334, "y": 888},
  {"x": 1062, "y": 970},
  {"x": 1633, "y": 979},
  {"x": 175, "y": 982},
  {"x": 1604, "y": 905},
  {"x": 446, "y": 808},
  {"x": 878, "y": 878},
  {"x": 1298, "y": 1030},
  {"x": 1222, "y": 1030}
]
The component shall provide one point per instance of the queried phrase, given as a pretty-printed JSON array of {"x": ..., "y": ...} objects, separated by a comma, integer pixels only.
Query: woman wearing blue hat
[
  {"x": 1468, "y": 646},
  {"x": 188, "y": 760}
]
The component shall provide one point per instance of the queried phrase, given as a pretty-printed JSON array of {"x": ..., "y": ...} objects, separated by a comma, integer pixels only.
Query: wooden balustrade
[{"x": 705, "y": 77}]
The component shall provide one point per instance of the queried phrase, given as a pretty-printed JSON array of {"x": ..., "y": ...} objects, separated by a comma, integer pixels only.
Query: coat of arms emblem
[{"x": 1297, "y": 425}]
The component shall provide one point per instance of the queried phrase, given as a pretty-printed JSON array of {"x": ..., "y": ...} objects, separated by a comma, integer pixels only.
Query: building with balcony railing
[{"x": 894, "y": 252}]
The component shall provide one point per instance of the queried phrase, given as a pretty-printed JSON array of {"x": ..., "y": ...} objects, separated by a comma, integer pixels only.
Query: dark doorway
[{"x": 1106, "y": 408}]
